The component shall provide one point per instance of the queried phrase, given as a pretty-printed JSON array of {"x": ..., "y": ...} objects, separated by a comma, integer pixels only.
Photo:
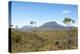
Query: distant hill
[
  {"x": 26, "y": 28},
  {"x": 52, "y": 26},
  {"x": 46, "y": 26}
]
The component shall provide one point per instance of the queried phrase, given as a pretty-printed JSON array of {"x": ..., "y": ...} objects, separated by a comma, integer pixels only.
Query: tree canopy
[{"x": 68, "y": 21}]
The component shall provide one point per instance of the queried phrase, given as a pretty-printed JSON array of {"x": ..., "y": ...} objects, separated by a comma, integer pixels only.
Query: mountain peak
[
  {"x": 52, "y": 24},
  {"x": 46, "y": 26}
]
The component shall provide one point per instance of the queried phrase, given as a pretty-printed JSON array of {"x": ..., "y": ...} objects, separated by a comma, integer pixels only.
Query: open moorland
[{"x": 43, "y": 40}]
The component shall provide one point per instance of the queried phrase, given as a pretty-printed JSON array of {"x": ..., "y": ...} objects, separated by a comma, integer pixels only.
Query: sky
[{"x": 22, "y": 13}]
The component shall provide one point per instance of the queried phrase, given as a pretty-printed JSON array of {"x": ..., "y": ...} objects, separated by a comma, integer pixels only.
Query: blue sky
[{"x": 24, "y": 12}]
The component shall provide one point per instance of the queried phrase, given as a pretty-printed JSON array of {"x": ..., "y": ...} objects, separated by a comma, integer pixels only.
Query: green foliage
[{"x": 68, "y": 21}]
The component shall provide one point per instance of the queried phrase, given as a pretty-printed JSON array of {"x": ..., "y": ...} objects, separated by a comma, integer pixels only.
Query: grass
[{"x": 43, "y": 40}]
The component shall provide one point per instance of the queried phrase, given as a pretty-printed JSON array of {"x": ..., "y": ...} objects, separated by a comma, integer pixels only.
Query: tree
[
  {"x": 68, "y": 22},
  {"x": 16, "y": 27},
  {"x": 32, "y": 23},
  {"x": 11, "y": 25}
]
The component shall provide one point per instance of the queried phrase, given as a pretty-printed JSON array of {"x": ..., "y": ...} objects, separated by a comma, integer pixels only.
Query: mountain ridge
[{"x": 46, "y": 26}]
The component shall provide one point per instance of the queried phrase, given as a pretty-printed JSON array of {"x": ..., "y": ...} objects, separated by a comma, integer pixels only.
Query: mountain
[
  {"x": 52, "y": 25},
  {"x": 26, "y": 28},
  {"x": 46, "y": 26}
]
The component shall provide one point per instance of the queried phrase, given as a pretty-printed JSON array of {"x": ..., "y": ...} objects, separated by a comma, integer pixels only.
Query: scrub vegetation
[{"x": 43, "y": 40}]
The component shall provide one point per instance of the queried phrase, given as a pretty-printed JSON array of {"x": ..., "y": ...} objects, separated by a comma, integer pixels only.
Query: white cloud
[{"x": 66, "y": 11}]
